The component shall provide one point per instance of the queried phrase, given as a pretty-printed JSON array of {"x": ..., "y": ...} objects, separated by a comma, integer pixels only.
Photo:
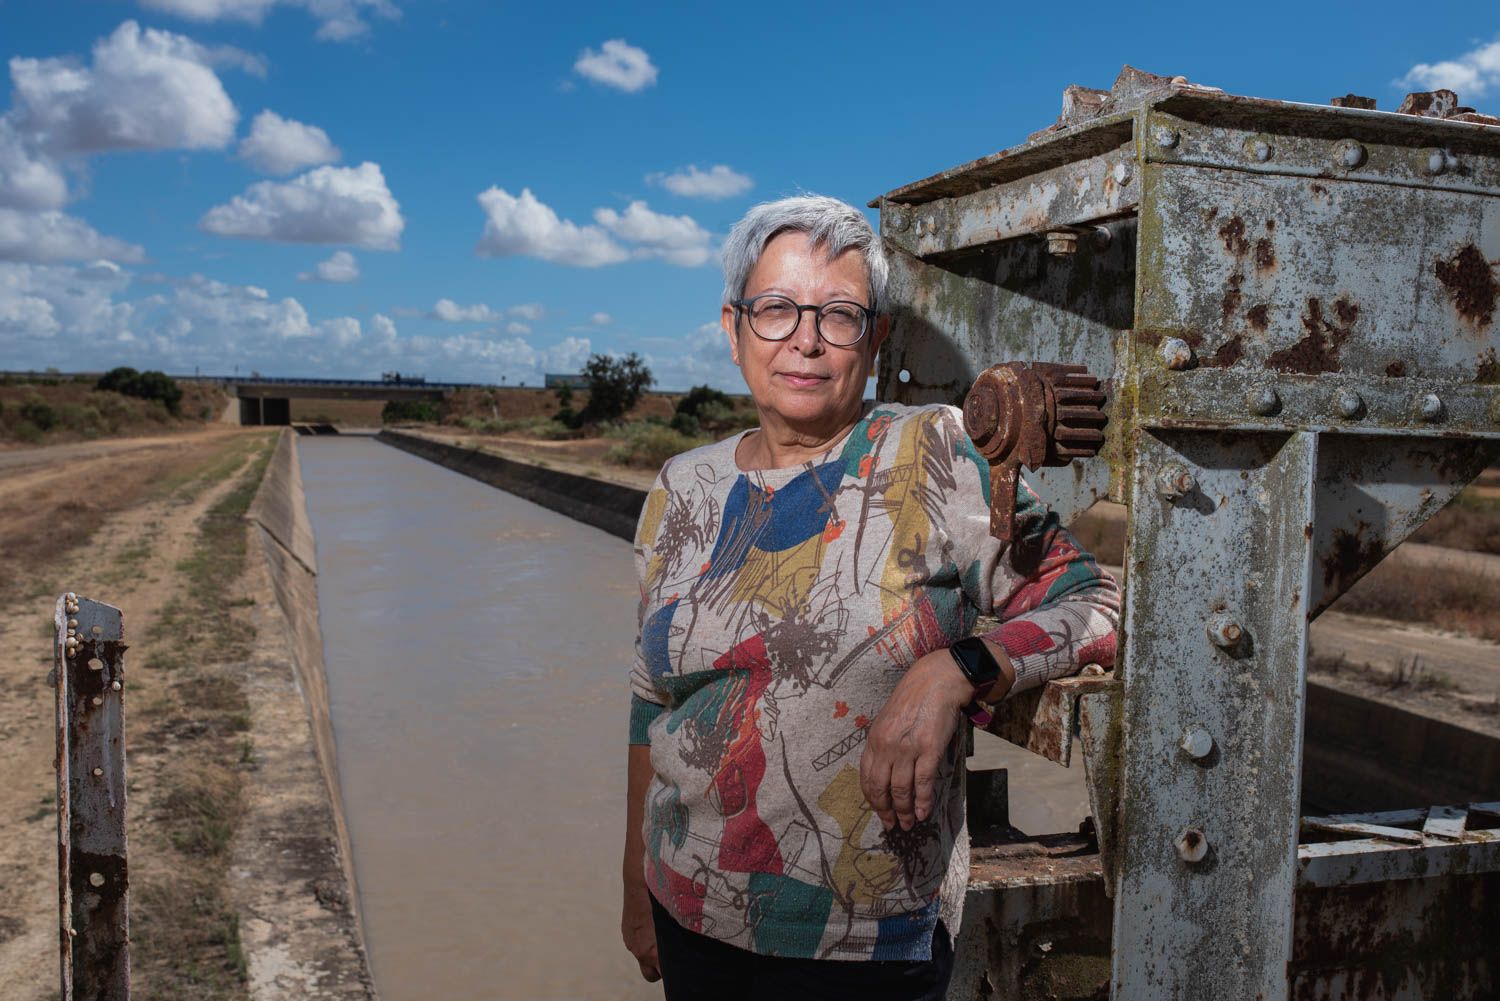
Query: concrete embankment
[
  {"x": 612, "y": 507},
  {"x": 294, "y": 839}
]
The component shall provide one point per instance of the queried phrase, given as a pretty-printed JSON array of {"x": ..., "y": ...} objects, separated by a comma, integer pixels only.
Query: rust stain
[
  {"x": 1265, "y": 255},
  {"x": 1352, "y": 556},
  {"x": 1318, "y": 352},
  {"x": 1232, "y": 296},
  {"x": 1489, "y": 368},
  {"x": 1210, "y": 214},
  {"x": 1229, "y": 352},
  {"x": 1396, "y": 369},
  {"x": 1232, "y": 233},
  {"x": 1470, "y": 282},
  {"x": 1258, "y": 316}
]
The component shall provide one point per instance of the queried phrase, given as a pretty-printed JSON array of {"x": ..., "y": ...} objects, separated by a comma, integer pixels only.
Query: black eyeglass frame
[{"x": 868, "y": 313}]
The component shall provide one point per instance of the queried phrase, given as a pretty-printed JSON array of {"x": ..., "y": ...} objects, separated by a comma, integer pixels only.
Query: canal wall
[
  {"x": 297, "y": 835},
  {"x": 612, "y": 507}
]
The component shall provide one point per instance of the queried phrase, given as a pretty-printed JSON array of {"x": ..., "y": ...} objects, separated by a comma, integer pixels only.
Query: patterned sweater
[{"x": 778, "y": 610}]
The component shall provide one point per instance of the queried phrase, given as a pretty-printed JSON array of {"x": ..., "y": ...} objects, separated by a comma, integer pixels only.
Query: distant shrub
[
  {"x": 149, "y": 385},
  {"x": 693, "y": 402},
  {"x": 396, "y": 411},
  {"x": 650, "y": 445},
  {"x": 39, "y": 414},
  {"x": 685, "y": 423},
  {"x": 27, "y": 432}
]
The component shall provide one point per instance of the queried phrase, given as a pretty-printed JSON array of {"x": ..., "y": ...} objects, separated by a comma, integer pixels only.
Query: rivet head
[
  {"x": 1192, "y": 846},
  {"x": 95, "y": 664},
  {"x": 97, "y": 700},
  {"x": 1350, "y": 154},
  {"x": 1265, "y": 402},
  {"x": 1351, "y": 405},
  {"x": 71, "y": 596},
  {"x": 1259, "y": 150},
  {"x": 72, "y": 623},
  {"x": 114, "y": 686},
  {"x": 1175, "y": 353},
  {"x": 1430, "y": 407},
  {"x": 1101, "y": 238},
  {"x": 98, "y": 772},
  {"x": 1175, "y": 482},
  {"x": 96, "y": 630},
  {"x": 1165, "y": 137},
  {"x": 1225, "y": 632},
  {"x": 1440, "y": 161},
  {"x": 1196, "y": 743},
  {"x": 1123, "y": 173},
  {"x": 96, "y": 879}
]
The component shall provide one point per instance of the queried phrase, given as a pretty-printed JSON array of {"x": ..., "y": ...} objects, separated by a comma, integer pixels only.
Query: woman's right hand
[{"x": 639, "y": 931}]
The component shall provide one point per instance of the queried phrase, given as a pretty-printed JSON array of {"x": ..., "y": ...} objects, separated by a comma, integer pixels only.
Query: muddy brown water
[{"x": 477, "y": 648}]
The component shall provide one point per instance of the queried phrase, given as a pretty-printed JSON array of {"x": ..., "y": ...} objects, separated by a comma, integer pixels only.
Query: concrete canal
[{"x": 476, "y": 650}]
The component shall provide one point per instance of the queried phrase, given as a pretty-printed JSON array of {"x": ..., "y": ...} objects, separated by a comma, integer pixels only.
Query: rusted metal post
[{"x": 93, "y": 878}]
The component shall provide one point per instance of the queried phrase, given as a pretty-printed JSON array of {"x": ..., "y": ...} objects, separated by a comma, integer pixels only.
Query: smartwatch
[{"x": 982, "y": 670}]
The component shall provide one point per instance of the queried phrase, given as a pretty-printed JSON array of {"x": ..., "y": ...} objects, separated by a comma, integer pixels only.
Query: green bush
[
  {"x": 685, "y": 423},
  {"x": 39, "y": 414},
  {"x": 396, "y": 411},
  {"x": 650, "y": 445},
  {"x": 27, "y": 432},
  {"x": 148, "y": 385},
  {"x": 699, "y": 397}
]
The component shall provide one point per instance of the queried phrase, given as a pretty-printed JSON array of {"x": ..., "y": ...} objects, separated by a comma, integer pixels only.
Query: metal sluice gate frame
[{"x": 1291, "y": 311}]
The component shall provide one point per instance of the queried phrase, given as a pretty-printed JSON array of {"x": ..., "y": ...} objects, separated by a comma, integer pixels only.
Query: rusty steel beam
[{"x": 93, "y": 876}]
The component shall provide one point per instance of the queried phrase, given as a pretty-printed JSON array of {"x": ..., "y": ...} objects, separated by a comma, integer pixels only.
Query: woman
[{"x": 796, "y": 813}]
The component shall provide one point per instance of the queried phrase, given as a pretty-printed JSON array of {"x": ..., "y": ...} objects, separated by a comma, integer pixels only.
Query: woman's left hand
[{"x": 907, "y": 740}]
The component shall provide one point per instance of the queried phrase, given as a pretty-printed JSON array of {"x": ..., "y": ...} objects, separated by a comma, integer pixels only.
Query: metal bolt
[
  {"x": 97, "y": 700},
  {"x": 1351, "y": 405},
  {"x": 1101, "y": 238},
  {"x": 71, "y": 596},
  {"x": 1176, "y": 353},
  {"x": 95, "y": 664},
  {"x": 1225, "y": 632},
  {"x": 1123, "y": 174},
  {"x": 72, "y": 623},
  {"x": 1430, "y": 407},
  {"x": 1175, "y": 482},
  {"x": 1192, "y": 846},
  {"x": 96, "y": 630},
  {"x": 1196, "y": 743},
  {"x": 1061, "y": 243},
  {"x": 96, "y": 879},
  {"x": 114, "y": 686},
  {"x": 1165, "y": 138},
  {"x": 1265, "y": 402},
  {"x": 1350, "y": 154},
  {"x": 1440, "y": 161},
  {"x": 98, "y": 772},
  {"x": 1260, "y": 150}
]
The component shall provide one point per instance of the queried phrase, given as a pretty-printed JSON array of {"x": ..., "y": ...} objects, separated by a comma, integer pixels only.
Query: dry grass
[
  {"x": 1470, "y": 521},
  {"x": 186, "y": 944},
  {"x": 1459, "y": 603},
  {"x": 73, "y": 410}
]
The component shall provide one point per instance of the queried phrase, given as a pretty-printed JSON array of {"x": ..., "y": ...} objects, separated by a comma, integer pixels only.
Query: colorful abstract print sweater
[{"x": 779, "y": 608}]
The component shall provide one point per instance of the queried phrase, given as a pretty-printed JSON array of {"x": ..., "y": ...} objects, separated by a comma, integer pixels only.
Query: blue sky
[{"x": 478, "y": 191}]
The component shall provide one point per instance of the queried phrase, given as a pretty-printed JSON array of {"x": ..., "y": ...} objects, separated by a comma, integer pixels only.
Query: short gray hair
[{"x": 828, "y": 222}]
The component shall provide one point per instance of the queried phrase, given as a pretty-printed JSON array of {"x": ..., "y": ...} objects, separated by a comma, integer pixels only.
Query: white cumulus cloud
[
  {"x": 451, "y": 312},
  {"x": 517, "y": 226},
  {"x": 145, "y": 89},
  {"x": 1470, "y": 75},
  {"x": 327, "y": 205},
  {"x": 675, "y": 239},
  {"x": 29, "y": 178},
  {"x": 601, "y": 319},
  {"x": 281, "y": 146},
  {"x": 54, "y": 236},
  {"x": 617, "y": 64},
  {"x": 341, "y": 267},
  {"x": 338, "y": 20},
  {"x": 532, "y": 311},
  {"x": 718, "y": 181}
]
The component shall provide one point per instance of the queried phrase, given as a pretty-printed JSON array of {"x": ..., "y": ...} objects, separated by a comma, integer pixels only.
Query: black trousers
[{"x": 698, "y": 968}]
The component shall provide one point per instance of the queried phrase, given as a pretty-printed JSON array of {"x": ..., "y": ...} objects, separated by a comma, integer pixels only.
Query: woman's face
[{"x": 803, "y": 381}]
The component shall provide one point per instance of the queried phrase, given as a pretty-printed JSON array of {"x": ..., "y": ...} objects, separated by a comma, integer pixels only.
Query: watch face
[{"x": 976, "y": 660}]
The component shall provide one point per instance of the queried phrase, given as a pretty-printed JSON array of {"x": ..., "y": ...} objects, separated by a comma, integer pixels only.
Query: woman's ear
[{"x": 726, "y": 320}]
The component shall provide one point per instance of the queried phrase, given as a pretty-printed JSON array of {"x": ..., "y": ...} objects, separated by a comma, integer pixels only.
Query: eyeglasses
[{"x": 775, "y": 317}]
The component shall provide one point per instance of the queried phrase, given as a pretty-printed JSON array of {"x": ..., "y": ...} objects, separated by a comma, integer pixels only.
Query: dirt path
[{"x": 132, "y": 564}]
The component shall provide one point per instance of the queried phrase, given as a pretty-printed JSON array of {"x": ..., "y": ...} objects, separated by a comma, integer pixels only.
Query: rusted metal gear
[{"x": 1031, "y": 414}]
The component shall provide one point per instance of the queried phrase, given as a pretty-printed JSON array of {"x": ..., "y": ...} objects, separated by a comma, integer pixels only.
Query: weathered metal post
[
  {"x": 93, "y": 879},
  {"x": 1293, "y": 311}
]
